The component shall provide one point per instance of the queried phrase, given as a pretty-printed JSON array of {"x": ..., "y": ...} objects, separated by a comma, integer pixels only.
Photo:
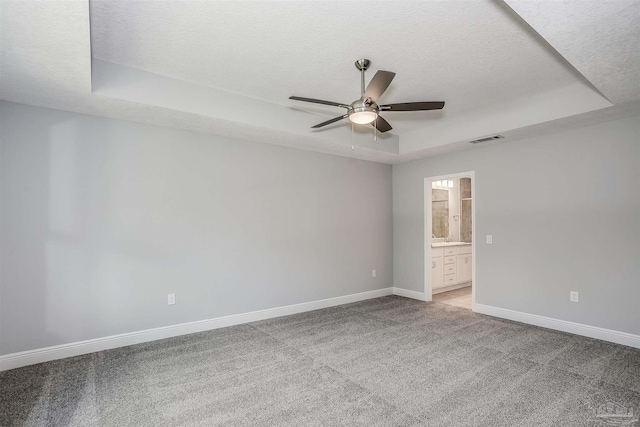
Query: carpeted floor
[{"x": 390, "y": 361}]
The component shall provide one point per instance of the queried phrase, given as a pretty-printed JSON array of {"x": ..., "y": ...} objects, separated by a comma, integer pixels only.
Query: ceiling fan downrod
[{"x": 362, "y": 65}]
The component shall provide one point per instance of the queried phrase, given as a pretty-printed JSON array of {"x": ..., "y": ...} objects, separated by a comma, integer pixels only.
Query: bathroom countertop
[{"x": 445, "y": 244}]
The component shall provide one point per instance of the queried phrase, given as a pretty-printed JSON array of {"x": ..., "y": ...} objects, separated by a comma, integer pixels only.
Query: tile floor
[{"x": 458, "y": 297}]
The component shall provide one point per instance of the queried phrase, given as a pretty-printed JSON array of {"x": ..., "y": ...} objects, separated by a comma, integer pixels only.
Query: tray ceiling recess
[{"x": 208, "y": 67}]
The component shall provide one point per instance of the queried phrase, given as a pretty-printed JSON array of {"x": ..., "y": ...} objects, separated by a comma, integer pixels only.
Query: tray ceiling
[{"x": 229, "y": 67}]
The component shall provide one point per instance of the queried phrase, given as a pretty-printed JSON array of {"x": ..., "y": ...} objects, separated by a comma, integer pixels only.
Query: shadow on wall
[
  {"x": 49, "y": 213},
  {"x": 26, "y": 188}
]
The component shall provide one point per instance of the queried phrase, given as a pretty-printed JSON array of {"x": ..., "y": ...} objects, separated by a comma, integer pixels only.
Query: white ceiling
[
  {"x": 271, "y": 50},
  {"x": 601, "y": 39},
  {"x": 496, "y": 74}
]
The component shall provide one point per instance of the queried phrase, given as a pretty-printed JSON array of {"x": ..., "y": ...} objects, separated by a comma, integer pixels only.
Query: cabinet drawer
[
  {"x": 449, "y": 279},
  {"x": 462, "y": 250},
  {"x": 436, "y": 252},
  {"x": 450, "y": 269},
  {"x": 449, "y": 260},
  {"x": 449, "y": 251}
]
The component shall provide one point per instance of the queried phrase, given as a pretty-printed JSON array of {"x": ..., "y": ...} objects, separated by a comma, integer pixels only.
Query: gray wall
[
  {"x": 101, "y": 219},
  {"x": 564, "y": 212}
]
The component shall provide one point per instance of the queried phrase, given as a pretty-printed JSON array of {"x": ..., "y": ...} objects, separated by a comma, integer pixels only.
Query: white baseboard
[
  {"x": 409, "y": 294},
  {"x": 623, "y": 338},
  {"x": 30, "y": 357}
]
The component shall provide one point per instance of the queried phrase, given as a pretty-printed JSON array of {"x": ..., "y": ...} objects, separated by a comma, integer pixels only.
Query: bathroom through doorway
[{"x": 449, "y": 240}]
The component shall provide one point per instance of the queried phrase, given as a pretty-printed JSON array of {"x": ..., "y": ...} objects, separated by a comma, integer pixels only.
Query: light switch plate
[
  {"x": 573, "y": 296},
  {"x": 489, "y": 239},
  {"x": 373, "y": 273}
]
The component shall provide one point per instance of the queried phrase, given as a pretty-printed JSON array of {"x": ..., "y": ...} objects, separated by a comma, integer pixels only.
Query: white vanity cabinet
[
  {"x": 451, "y": 267},
  {"x": 463, "y": 264},
  {"x": 436, "y": 267}
]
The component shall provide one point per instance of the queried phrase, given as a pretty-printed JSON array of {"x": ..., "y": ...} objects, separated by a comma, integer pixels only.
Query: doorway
[{"x": 450, "y": 239}]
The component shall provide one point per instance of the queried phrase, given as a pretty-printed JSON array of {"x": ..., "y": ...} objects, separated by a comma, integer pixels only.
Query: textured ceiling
[
  {"x": 601, "y": 39},
  {"x": 468, "y": 53},
  {"x": 496, "y": 74}
]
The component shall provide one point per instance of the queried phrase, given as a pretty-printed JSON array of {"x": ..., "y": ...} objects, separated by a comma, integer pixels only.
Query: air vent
[{"x": 489, "y": 138}]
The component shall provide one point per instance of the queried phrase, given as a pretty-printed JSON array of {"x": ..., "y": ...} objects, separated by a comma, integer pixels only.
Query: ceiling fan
[{"x": 365, "y": 110}]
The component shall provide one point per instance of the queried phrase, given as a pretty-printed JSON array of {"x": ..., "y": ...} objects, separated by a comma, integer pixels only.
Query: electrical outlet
[
  {"x": 171, "y": 299},
  {"x": 489, "y": 239},
  {"x": 373, "y": 273},
  {"x": 573, "y": 296}
]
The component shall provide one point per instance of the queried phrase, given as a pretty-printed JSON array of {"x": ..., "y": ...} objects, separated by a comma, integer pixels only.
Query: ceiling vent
[{"x": 489, "y": 138}]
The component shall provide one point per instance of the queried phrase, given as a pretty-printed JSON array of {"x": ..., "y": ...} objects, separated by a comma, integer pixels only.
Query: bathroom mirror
[{"x": 440, "y": 213}]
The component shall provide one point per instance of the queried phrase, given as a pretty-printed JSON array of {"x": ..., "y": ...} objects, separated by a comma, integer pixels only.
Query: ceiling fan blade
[
  {"x": 413, "y": 106},
  {"x": 378, "y": 84},
  {"x": 382, "y": 125},
  {"x": 320, "y": 101},
  {"x": 328, "y": 122}
]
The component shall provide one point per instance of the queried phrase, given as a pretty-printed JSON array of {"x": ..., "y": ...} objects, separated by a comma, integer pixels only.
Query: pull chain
[
  {"x": 375, "y": 130},
  {"x": 353, "y": 147}
]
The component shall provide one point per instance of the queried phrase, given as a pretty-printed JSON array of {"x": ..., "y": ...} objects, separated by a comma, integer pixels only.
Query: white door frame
[{"x": 428, "y": 231}]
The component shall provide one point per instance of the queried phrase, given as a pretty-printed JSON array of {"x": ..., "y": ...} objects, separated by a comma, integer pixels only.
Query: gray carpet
[{"x": 390, "y": 361}]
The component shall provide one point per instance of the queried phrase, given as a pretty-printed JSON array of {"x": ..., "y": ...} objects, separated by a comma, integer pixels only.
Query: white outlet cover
[
  {"x": 171, "y": 299},
  {"x": 373, "y": 273},
  {"x": 489, "y": 239},
  {"x": 574, "y": 296}
]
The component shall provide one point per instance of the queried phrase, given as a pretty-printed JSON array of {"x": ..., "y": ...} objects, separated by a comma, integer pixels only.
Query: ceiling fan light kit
[
  {"x": 361, "y": 113},
  {"x": 365, "y": 110}
]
